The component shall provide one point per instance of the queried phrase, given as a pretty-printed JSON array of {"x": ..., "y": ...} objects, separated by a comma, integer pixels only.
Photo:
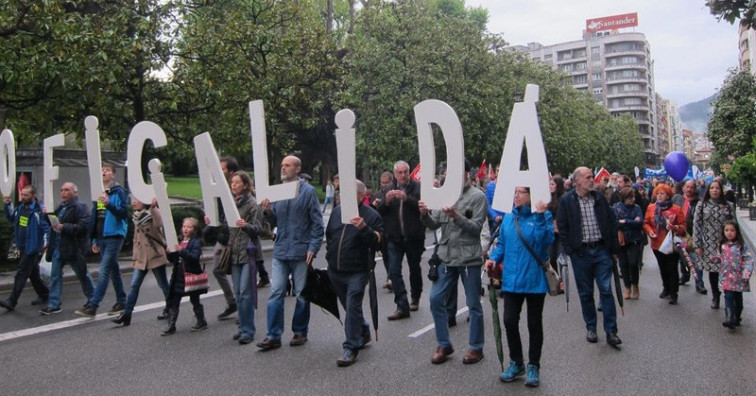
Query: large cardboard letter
[
  {"x": 164, "y": 203},
  {"x": 523, "y": 127},
  {"x": 214, "y": 184},
  {"x": 142, "y": 132},
  {"x": 94, "y": 157},
  {"x": 345, "y": 142},
  {"x": 7, "y": 163},
  {"x": 50, "y": 172},
  {"x": 263, "y": 188},
  {"x": 429, "y": 112}
]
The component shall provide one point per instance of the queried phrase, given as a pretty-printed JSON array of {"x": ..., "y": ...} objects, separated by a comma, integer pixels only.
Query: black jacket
[
  {"x": 74, "y": 237},
  {"x": 349, "y": 249},
  {"x": 569, "y": 222},
  {"x": 414, "y": 230}
]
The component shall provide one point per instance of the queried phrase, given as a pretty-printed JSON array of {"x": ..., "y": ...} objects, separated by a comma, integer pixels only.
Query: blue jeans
[
  {"x": 56, "y": 279},
  {"x": 350, "y": 289},
  {"x": 242, "y": 279},
  {"x": 414, "y": 251},
  {"x": 589, "y": 265},
  {"x": 733, "y": 299},
  {"x": 280, "y": 277},
  {"x": 109, "y": 269},
  {"x": 326, "y": 202},
  {"x": 439, "y": 295},
  {"x": 137, "y": 277}
]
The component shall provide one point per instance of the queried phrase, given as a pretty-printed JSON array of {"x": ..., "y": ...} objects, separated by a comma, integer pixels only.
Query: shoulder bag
[{"x": 552, "y": 277}]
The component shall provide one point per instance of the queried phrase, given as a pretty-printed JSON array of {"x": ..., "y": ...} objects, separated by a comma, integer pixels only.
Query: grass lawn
[
  {"x": 185, "y": 186},
  {"x": 189, "y": 187}
]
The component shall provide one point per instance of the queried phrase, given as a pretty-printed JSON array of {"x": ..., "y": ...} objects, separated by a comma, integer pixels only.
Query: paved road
[{"x": 667, "y": 350}]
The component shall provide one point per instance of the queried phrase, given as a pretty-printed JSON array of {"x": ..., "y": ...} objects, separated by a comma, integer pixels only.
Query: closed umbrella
[
  {"x": 494, "y": 286},
  {"x": 564, "y": 260},
  {"x": 618, "y": 286},
  {"x": 373, "y": 296}
]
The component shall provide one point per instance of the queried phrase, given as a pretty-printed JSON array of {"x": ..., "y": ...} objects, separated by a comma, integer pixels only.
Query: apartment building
[{"x": 615, "y": 66}]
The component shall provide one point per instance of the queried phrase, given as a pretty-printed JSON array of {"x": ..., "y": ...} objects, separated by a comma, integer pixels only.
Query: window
[
  {"x": 580, "y": 66},
  {"x": 595, "y": 50},
  {"x": 633, "y": 102},
  {"x": 567, "y": 67},
  {"x": 581, "y": 79},
  {"x": 596, "y": 77}
]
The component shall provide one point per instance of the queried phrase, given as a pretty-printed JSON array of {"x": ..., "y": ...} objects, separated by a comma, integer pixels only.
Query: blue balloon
[{"x": 676, "y": 164}]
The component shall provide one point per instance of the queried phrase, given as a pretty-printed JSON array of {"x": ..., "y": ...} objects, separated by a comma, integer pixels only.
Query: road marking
[
  {"x": 80, "y": 321},
  {"x": 433, "y": 326}
]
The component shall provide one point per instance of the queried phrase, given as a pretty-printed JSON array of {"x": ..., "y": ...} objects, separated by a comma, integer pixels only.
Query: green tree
[
  {"x": 733, "y": 10},
  {"x": 732, "y": 126}
]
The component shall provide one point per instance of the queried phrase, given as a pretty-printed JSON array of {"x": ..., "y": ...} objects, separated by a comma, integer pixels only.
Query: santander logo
[{"x": 611, "y": 22}]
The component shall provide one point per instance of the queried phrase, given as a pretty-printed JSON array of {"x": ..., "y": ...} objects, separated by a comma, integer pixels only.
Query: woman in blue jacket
[{"x": 523, "y": 279}]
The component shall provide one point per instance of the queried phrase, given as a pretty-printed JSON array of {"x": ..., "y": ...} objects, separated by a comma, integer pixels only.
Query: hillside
[{"x": 695, "y": 116}]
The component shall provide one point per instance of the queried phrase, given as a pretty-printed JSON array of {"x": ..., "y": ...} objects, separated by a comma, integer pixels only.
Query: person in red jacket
[{"x": 663, "y": 217}]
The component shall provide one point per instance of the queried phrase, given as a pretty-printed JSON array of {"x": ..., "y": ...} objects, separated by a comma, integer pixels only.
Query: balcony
[
  {"x": 634, "y": 51},
  {"x": 623, "y": 107},
  {"x": 622, "y": 79},
  {"x": 622, "y": 94},
  {"x": 624, "y": 66}
]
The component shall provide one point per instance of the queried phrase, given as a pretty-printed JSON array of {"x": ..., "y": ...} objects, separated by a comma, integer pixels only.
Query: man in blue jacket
[
  {"x": 298, "y": 239},
  {"x": 110, "y": 215},
  {"x": 588, "y": 233},
  {"x": 350, "y": 252},
  {"x": 68, "y": 245},
  {"x": 31, "y": 236}
]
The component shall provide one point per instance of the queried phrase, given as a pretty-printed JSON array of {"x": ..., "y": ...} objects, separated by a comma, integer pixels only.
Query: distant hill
[{"x": 695, "y": 116}]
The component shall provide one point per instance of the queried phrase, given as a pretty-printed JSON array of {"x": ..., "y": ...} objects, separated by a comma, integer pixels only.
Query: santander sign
[{"x": 611, "y": 22}]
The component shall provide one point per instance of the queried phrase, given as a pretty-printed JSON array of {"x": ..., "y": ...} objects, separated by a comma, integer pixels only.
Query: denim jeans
[
  {"x": 350, "y": 289},
  {"x": 56, "y": 280},
  {"x": 414, "y": 251},
  {"x": 28, "y": 268},
  {"x": 137, "y": 277},
  {"x": 109, "y": 269},
  {"x": 439, "y": 295},
  {"x": 326, "y": 202},
  {"x": 242, "y": 278},
  {"x": 733, "y": 299},
  {"x": 589, "y": 265},
  {"x": 280, "y": 272}
]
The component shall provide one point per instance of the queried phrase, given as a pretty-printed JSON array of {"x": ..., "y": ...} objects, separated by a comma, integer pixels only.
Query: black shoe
[
  {"x": 701, "y": 289},
  {"x": 230, "y": 310},
  {"x": 168, "y": 331},
  {"x": 347, "y": 359},
  {"x": 7, "y": 305},
  {"x": 39, "y": 301},
  {"x": 237, "y": 336},
  {"x": 682, "y": 282},
  {"x": 199, "y": 326},
  {"x": 664, "y": 294},
  {"x": 399, "y": 314},
  {"x": 452, "y": 321},
  {"x": 730, "y": 321},
  {"x": 269, "y": 344},
  {"x": 263, "y": 282},
  {"x": 122, "y": 319},
  {"x": 715, "y": 301},
  {"x": 591, "y": 336},
  {"x": 246, "y": 340},
  {"x": 612, "y": 339},
  {"x": 117, "y": 309},
  {"x": 164, "y": 315},
  {"x": 365, "y": 340},
  {"x": 49, "y": 311},
  {"x": 673, "y": 299}
]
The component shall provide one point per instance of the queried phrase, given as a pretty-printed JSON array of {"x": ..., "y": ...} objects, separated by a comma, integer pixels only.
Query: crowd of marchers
[{"x": 600, "y": 226}]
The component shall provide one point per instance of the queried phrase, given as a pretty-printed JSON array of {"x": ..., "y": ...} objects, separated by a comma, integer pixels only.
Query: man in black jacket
[
  {"x": 69, "y": 244},
  {"x": 350, "y": 250},
  {"x": 405, "y": 234},
  {"x": 588, "y": 233}
]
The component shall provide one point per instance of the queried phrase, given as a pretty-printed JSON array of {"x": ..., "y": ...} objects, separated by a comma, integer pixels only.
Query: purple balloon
[{"x": 676, "y": 164}]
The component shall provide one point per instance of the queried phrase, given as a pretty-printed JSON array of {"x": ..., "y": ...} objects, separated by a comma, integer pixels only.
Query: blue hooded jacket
[
  {"x": 116, "y": 221},
  {"x": 37, "y": 229},
  {"x": 521, "y": 273}
]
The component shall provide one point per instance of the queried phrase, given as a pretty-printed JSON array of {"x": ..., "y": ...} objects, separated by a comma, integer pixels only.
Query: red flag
[
  {"x": 23, "y": 181},
  {"x": 602, "y": 174},
  {"x": 482, "y": 170},
  {"x": 491, "y": 173},
  {"x": 415, "y": 174}
]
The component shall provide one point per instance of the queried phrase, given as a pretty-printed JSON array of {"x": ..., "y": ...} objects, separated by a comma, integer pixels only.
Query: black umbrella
[
  {"x": 319, "y": 291},
  {"x": 373, "y": 295},
  {"x": 493, "y": 287},
  {"x": 618, "y": 286}
]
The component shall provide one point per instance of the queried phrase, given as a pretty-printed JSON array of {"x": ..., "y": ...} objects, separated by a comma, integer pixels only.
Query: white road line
[
  {"x": 79, "y": 321},
  {"x": 433, "y": 326}
]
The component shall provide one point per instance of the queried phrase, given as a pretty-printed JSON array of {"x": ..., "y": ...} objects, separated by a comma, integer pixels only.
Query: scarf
[
  {"x": 659, "y": 219},
  {"x": 141, "y": 217}
]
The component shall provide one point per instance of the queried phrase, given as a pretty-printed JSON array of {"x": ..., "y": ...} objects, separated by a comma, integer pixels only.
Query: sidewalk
[{"x": 6, "y": 278}]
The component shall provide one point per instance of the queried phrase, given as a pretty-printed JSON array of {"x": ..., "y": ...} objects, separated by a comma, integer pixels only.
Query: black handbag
[
  {"x": 552, "y": 277},
  {"x": 433, "y": 264}
]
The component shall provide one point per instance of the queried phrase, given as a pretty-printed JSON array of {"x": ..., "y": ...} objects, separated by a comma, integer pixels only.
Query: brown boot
[{"x": 635, "y": 292}]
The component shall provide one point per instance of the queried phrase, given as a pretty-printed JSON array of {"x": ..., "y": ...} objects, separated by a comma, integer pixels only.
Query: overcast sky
[{"x": 690, "y": 48}]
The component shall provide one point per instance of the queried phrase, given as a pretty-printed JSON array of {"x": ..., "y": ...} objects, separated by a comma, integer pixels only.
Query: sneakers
[
  {"x": 230, "y": 310},
  {"x": 116, "y": 310},
  {"x": 86, "y": 311},
  {"x": 514, "y": 370},
  {"x": 532, "y": 378},
  {"x": 49, "y": 311},
  {"x": 7, "y": 305}
]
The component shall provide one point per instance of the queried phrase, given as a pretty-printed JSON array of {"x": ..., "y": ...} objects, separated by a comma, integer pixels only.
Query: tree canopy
[{"x": 733, "y": 10}]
